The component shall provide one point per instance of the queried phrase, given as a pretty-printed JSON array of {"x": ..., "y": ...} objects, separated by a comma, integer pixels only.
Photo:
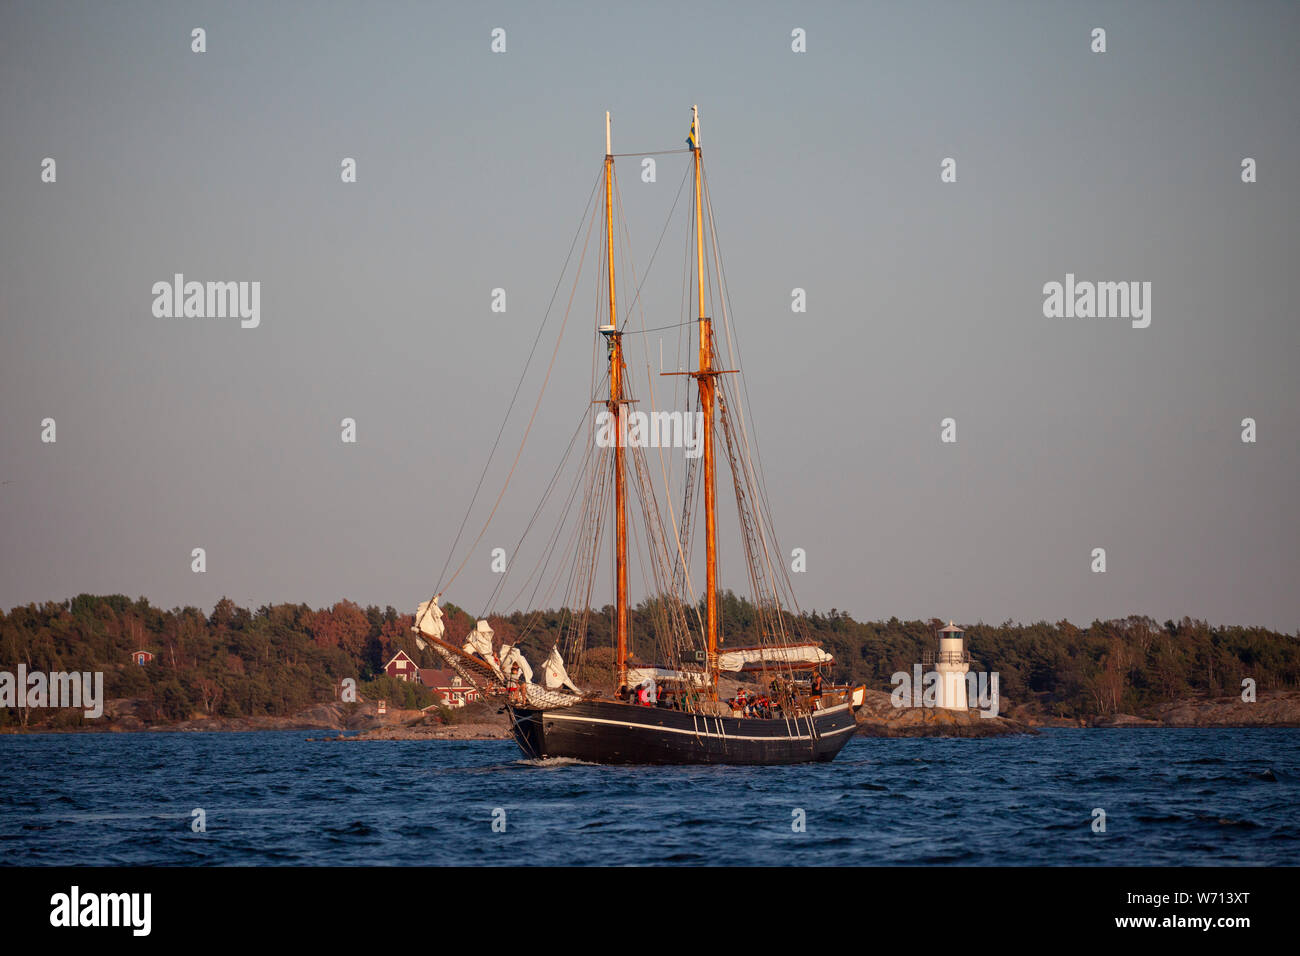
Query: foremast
[{"x": 614, "y": 339}]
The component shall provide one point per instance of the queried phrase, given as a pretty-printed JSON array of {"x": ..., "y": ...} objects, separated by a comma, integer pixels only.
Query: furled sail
[
  {"x": 428, "y": 620},
  {"x": 482, "y": 667},
  {"x": 636, "y": 675},
  {"x": 511, "y": 655},
  {"x": 479, "y": 643},
  {"x": 791, "y": 655},
  {"x": 554, "y": 676}
]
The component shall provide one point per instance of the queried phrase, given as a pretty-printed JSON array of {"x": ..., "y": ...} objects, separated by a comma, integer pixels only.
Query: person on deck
[
  {"x": 815, "y": 693},
  {"x": 517, "y": 691}
]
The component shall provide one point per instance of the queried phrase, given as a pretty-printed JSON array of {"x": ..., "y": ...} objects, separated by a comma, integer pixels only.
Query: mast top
[{"x": 608, "y": 151}]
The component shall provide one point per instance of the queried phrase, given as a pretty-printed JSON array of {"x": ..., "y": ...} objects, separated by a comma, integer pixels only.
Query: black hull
[{"x": 602, "y": 731}]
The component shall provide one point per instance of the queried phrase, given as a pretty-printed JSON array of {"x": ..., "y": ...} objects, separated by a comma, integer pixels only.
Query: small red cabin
[{"x": 402, "y": 667}]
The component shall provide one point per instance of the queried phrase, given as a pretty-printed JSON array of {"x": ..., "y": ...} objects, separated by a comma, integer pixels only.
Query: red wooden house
[
  {"x": 402, "y": 667},
  {"x": 448, "y": 685}
]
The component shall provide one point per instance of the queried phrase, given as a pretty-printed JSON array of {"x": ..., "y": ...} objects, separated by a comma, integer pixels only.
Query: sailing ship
[{"x": 671, "y": 705}]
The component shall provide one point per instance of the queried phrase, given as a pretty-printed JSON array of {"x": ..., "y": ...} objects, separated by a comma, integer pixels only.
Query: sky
[{"x": 925, "y": 298}]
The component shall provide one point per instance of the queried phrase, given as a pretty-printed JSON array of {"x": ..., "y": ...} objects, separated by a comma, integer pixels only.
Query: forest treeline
[{"x": 283, "y": 658}]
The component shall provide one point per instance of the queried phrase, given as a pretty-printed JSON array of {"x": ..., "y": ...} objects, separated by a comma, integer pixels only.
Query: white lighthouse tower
[{"x": 952, "y": 664}]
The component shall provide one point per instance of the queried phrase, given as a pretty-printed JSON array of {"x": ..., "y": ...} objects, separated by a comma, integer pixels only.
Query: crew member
[{"x": 517, "y": 692}]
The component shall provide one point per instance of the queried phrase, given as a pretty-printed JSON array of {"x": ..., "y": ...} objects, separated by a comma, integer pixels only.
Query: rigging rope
[
  {"x": 531, "y": 418},
  {"x": 660, "y": 152},
  {"x": 451, "y": 552},
  {"x": 636, "y": 298}
]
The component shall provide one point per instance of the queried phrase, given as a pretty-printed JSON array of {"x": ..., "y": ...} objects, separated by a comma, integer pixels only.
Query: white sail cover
[
  {"x": 637, "y": 675},
  {"x": 554, "y": 676},
  {"x": 511, "y": 655},
  {"x": 479, "y": 641},
  {"x": 790, "y": 654},
  {"x": 428, "y": 620}
]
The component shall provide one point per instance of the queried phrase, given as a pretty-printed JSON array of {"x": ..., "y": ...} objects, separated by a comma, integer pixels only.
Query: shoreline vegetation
[{"x": 281, "y": 668}]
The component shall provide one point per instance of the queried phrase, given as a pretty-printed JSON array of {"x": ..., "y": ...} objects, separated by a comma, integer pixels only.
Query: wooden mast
[
  {"x": 705, "y": 376},
  {"x": 615, "y": 340}
]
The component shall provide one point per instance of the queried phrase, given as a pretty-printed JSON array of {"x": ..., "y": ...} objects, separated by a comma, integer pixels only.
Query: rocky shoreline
[
  {"x": 878, "y": 717},
  {"x": 467, "y": 731},
  {"x": 1270, "y": 710}
]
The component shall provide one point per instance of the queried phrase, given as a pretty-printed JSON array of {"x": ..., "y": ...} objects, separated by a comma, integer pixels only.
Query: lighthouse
[{"x": 952, "y": 664}]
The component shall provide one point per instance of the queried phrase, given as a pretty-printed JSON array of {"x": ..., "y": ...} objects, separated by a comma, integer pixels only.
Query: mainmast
[
  {"x": 705, "y": 376},
  {"x": 614, "y": 339}
]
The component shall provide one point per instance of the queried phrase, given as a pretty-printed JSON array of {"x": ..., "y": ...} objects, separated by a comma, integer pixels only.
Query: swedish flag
[{"x": 690, "y": 140}]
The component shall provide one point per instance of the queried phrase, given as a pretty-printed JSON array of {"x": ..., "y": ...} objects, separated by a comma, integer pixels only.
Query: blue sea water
[{"x": 1174, "y": 797}]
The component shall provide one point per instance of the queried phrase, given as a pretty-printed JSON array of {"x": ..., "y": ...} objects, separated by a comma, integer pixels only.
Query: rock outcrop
[
  {"x": 1280, "y": 709},
  {"x": 1123, "y": 720},
  {"x": 878, "y": 717},
  {"x": 430, "y": 731}
]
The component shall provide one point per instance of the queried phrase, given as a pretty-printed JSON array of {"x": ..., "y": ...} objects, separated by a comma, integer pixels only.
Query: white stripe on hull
[{"x": 560, "y": 715}]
